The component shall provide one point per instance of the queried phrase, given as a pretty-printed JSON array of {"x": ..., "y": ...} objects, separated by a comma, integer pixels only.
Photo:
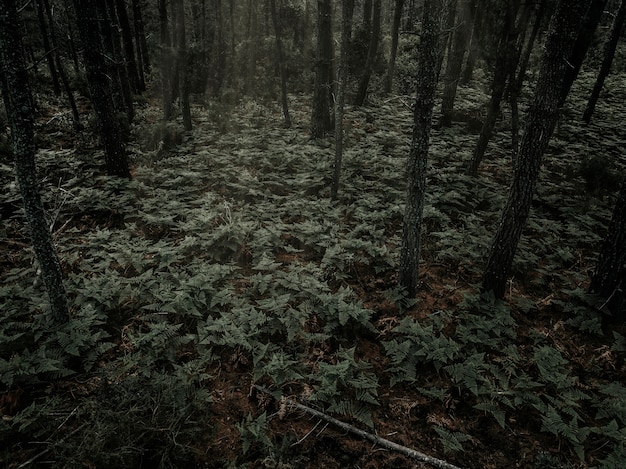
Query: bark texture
[
  {"x": 20, "y": 112},
  {"x": 540, "y": 122},
  {"x": 321, "y": 119},
  {"x": 428, "y": 54}
]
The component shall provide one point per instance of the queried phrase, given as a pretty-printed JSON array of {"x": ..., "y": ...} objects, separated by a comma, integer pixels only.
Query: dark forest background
[{"x": 296, "y": 233}]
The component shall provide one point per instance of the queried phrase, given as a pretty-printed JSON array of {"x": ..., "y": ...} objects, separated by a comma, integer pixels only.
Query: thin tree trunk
[
  {"x": 540, "y": 122},
  {"x": 167, "y": 60},
  {"x": 395, "y": 33},
  {"x": 609, "y": 277},
  {"x": 321, "y": 119},
  {"x": 140, "y": 37},
  {"x": 136, "y": 80},
  {"x": 455, "y": 62},
  {"x": 592, "y": 17},
  {"x": 18, "y": 102},
  {"x": 477, "y": 20},
  {"x": 346, "y": 32},
  {"x": 372, "y": 50},
  {"x": 60, "y": 67},
  {"x": 182, "y": 65},
  {"x": 98, "y": 78},
  {"x": 49, "y": 53},
  {"x": 281, "y": 64},
  {"x": 609, "y": 53},
  {"x": 428, "y": 55}
]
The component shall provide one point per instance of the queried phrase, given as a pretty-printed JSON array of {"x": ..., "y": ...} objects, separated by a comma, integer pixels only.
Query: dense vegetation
[{"x": 222, "y": 280}]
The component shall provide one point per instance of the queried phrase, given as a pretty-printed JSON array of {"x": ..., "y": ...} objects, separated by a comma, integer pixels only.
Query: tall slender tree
[
  {"x": 540, "y": 121},
  {"x": 321, "y": 118},
  {"x": 609, "y": 278},
  {"x": 98, "y": 78},
  {"x": 346, "y": 31},
  {"x": 281, "y": 63},
  {"x": 428, "y": 53},
  {"x": 20, "y": 112},
  {"x": 609, "y": 52},
  {"x": 182, "y": 63},
  {"x": 372, "y": 50},
  {"x": 395, "y": 34}
]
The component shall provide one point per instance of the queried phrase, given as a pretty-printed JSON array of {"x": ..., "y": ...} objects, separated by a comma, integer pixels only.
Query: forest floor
[{"x": 223, "y": 264}]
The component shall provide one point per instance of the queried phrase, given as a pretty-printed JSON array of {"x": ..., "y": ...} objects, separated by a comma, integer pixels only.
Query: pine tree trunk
[
  {"x": 346, "y": 31},
  {"x": 281, "y": 64},
  {"x": 395, "y": 33},
  {"x": 477, "y": 17},
  {"x": 540, "y": 122},
  {"x": 610, "y": 276},
  {"x": 167, "y": 60},
  {"x": 136, "y": 80},
  {"x": 321, "y": 119},
  {"x": 372, "y": 50},
  {"x": 455, "y": 62},
  {"x": 49, "y": 52},
  {"x": 428, "y": 54},
  {"x": 140, "y": 37},
  {"x": 20, "y": 112},
  {"x": 592, "y": 17},
  {"x": 182, "y": 63},
  {"x": 98, "y": 78},
  {"x": 607, "y": 61}
]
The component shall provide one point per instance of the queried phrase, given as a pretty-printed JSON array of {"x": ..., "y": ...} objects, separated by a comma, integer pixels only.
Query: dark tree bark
[
  {"x": 367, "y": 17},
  {"x": 515, "y": 85},
  {"x": 20, "y": 112},
  {"x": 182, "y": 64},
  {"x": 49, "y": 52},
  {"x": 281, "y": 64},
  {"x": 446, "y": 34},
  {"x": 428, "y": 55},
  {"x": 100, "y": 88},
  {"x": 395, "y": 33},
  {"x": 455, "y": 61},
  {"x": 140, "y": 37},
  {"x": 575, "y": 60},
  {"x": 607, "y": 61},
  {"x": 220, "y": 63},
  {"x": 540, "y": 122},
  {"x": 137, "y": 81},
  {"x": 477, "y": 16},
  {"x": 372, "y": 50},
  {"x": 504, "y": 63},
  {"x": 70, "y": 37},
  {"x": 60, "y": 67},
  {"x": 346, "y": 32},
  {"x": 610, "y": 275},
  {"x": 167, "y": 60},
  {"x": 321, "y": 119}
]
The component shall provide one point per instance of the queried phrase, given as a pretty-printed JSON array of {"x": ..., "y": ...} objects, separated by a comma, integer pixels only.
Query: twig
[
  {"x": 411, "y": 453},
  {"x": 41, "y": 453}
]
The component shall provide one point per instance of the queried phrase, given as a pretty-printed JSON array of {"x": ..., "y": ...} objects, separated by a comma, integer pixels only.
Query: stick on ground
[{"x": 411, "y": 453}]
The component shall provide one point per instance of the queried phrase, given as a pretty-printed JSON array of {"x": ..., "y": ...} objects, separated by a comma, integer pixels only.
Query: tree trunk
[
  {"x": 395, "y": 32},
  {"x": 540, "y": 122},
  {"x": 477, "y": 17},
  {"x": 575, "y": 60},
  {"x": 60, "y": 67},
  {"x": 167, "y": 60},
  {"x": 321, "y": 119},
  {"x": 445, "y": 35},
  {"x": 140, "y": 38},
  {"x": 504, "y": 63},
  {"x": 136, "y": 80},
  {"x": 49, "y": 52},
  {"x": 610, "y": 276},
  {"x": 428, "y": 55},
  {"x": 607, "y": 61},
  {"x": 182, "y": 62},
  {"x": 281, "y": 64},
  {"x": 346, "y": 31},
  {"x": 455, "y": 62},
  {"x": 372, "y": 50},
  {"x": 19, "y": 107},
  {"x": 100, "y": 89}
]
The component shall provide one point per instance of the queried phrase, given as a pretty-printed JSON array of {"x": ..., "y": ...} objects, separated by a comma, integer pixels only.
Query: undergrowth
[{"x": 223, "y": 263}]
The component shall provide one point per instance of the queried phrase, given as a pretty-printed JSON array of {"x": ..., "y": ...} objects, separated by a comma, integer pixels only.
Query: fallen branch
[{"x": 411, "y": 453}]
